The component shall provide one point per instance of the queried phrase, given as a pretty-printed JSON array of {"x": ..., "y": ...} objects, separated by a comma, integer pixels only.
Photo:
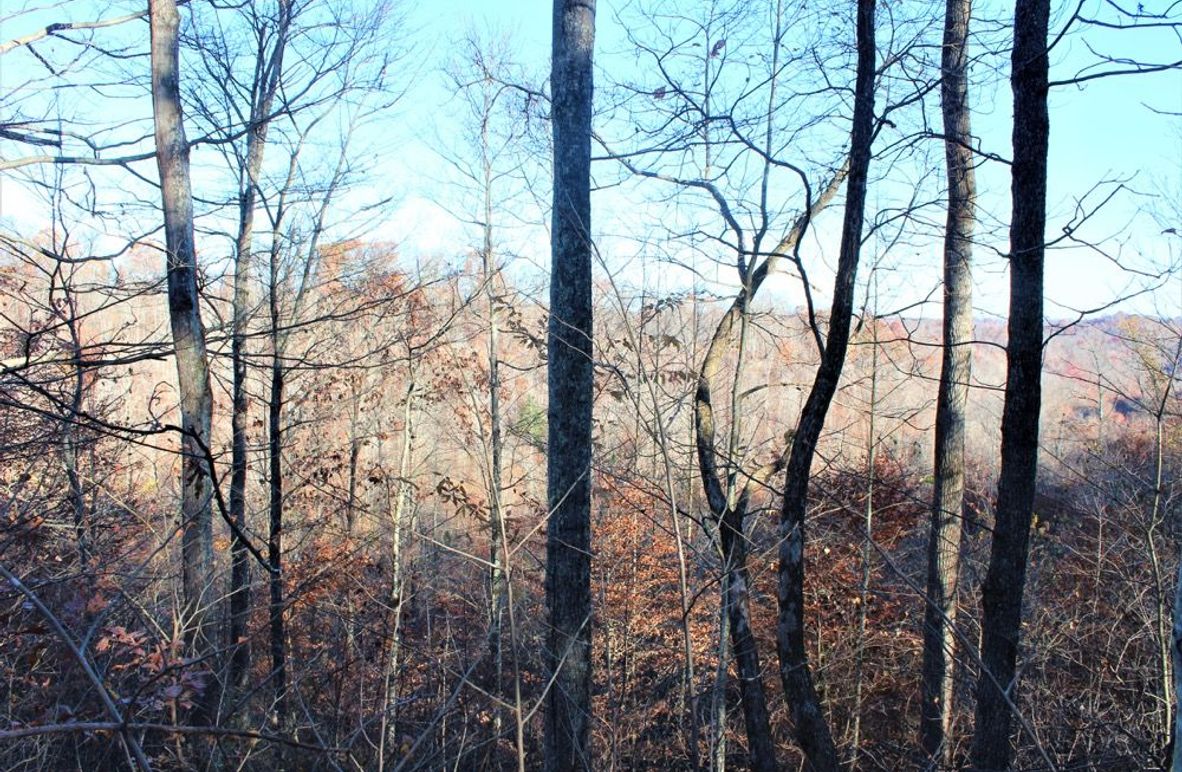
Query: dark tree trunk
[
  {"x": 354, "y": 457},
  {"x": 1173, "y": 750},
  {"x": 570, "y": 379},
  {"x": 811, "y": 728},
  {"x": 1005, "y": 580},
  {"x": 275, "y": 530},
  {"x": 269, "y": 71},
  {"x": 761, "y": 749},
  {"x": 70, "y": 439},
  {"x": 172, "y": 160},
  {"x": 736, "y": 593},
  {"x": 939, "y": 634},
  {"x": 239, "y": 556}
]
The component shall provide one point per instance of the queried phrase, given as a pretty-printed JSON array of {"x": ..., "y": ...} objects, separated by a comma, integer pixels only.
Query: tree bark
[
  {"x": 947, "y": 510},
  {"x": 761, "y": 749},
  {"x": 71, "y": 441},
  {"x": 397, "y": 508},
  {"x": 1001, "y": 595},
  {"x": 728, "y": 508},
  {"x": 498, "y": 591},
  {"x": 811, "y": 728},
  {"x": 172, "y": 160},
  {"x": 256, "y": 142},
  {"x": 275, "y": 530},
  {"x": 867, "y": 540},
  {"x": 570, "y": 387}
]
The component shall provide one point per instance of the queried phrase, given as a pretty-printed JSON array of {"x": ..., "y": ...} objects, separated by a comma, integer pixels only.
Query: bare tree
[
  {"x": 939, "y": 637},
  {"x": 270, "y": 80},
  {"x": 1001, "y": 594},
  {"x": 811, "y": 728},
  {"x": 712, "y": 134},
  {"x": 188, "y": 334},
  {"x": 570, "y": 386},
  {"x": 268, "y": 71},
  {"x": 494, "y": 167}
]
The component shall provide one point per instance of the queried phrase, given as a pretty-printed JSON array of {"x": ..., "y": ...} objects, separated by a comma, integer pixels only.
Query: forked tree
[{"x": 707, "y": 132}]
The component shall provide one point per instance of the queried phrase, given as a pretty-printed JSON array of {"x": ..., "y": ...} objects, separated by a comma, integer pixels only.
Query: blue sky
[{"x": 1103, "y": 132}]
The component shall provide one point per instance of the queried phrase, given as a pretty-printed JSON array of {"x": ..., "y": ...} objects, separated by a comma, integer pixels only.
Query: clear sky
[
  {"x": 1107, "y": 131},
  {"x": 1103, "y": 133}
]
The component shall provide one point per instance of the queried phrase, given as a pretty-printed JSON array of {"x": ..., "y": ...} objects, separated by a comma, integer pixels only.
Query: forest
[{"x": 655, "y": 384}]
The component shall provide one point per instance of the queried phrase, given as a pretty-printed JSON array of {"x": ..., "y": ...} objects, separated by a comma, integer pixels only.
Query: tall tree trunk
[
  {"x": 496, "y": 519},
  {"x": 728, "y": 506},
  {"x": 275, "y": 403},
  {"x": 275, "y": 531},
  {"x": 1169, "y": 650},
  {"x": 811, "y": 728},
  {"x": 1005, "y": 580},
  {"x": 735, "y": 590},
  {"x": 239, "y": 557},
  {"x": 399, "y": 594},
  {"x": 354, "y": 455},
  {"x": 947, "y": 510},
  {"x": 660, "y": 433},
  {"x": 172, "y": 160},
  {"x": 867, "y": 540},
  {"x": 1160, "y": 608},
  {"x": 570, "y": 386},
  {"x": 256, "y": 141}
]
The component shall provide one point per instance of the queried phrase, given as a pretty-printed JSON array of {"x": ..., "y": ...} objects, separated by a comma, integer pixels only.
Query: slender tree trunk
[
  {"x": 496, "y": 521},
  {"x": 268, "y": 72},
  {"x": 1005, "y": 580},
  {"x": 719, "y": 707},
  {"x": 256, "y": 143},
  {"x": 689, "y": 695},
  {"x": 239, "y": 556},
  {"x": 188, "y": 334},
  {"x": 398, "y": 589},
  {"x": 811, "y": 728},
  {"x": 867, "y": 545},
  {"x": 70, "y": 440},
  {"x": 723, "y": 503},
  {"x": 571, "y": 384},
  {"x": 354, "y": 460},
  {"x": 1166, "y": 640},
  {"x": 761, "y": 749},
  {"x": 398, "y": 509},
  {"x": 1160, "y": 607},
  {"x": 278, "y": 676},
  {"x": 1176, "y": 657},
  {"x": 947, "y": 510}
]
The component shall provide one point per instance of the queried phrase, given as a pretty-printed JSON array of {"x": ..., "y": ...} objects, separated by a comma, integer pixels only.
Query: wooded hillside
[{"x": 284, "y": 490}]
